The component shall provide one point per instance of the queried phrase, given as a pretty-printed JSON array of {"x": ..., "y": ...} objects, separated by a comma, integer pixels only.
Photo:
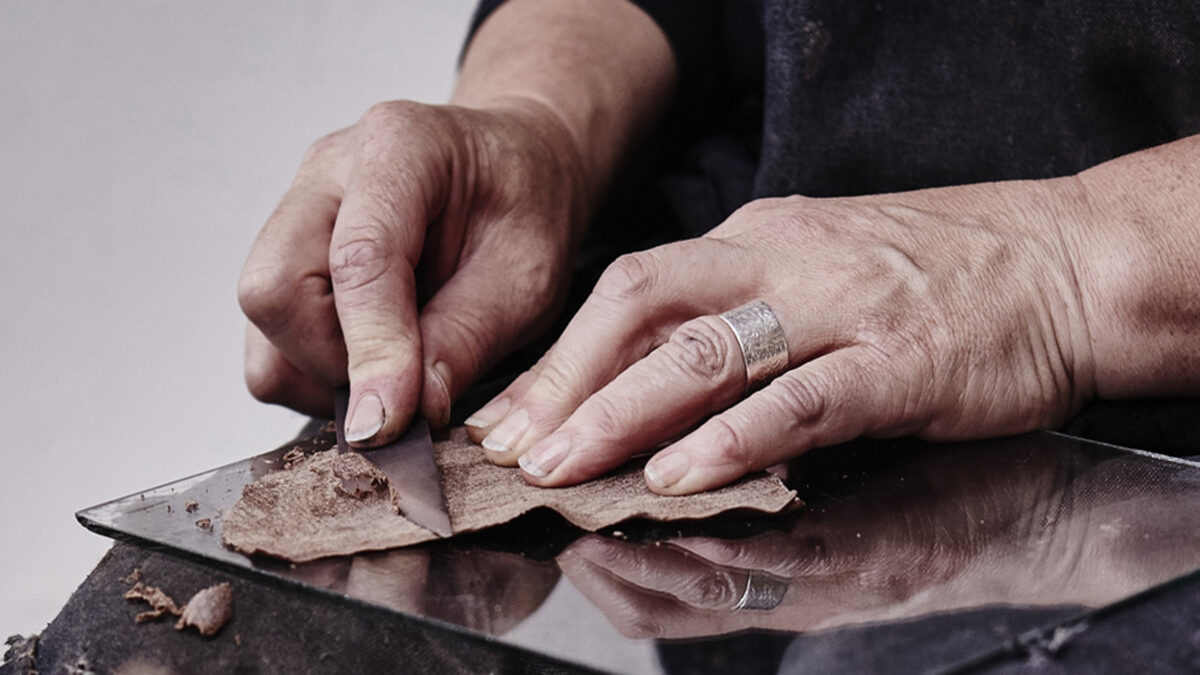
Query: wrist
[
  {"x": 1137, "y": 245},
  {"x": 602, "y": 70}
]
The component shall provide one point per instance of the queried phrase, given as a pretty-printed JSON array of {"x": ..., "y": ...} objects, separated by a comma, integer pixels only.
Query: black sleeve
[
  {"x": 700, "y": 164},
  {"x": 692, "y": 27}
]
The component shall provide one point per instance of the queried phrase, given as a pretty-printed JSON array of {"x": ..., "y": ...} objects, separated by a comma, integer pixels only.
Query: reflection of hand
[
  {"x": 395, "y": 579},
  {"x": 1016, "y": 522},
  {"x": 946, "y": 313},
  {"x": 657, "y": 591},
  {"x": 473, "y": 209},
  {"x": 814, "y": 576},
  {"x": 487, "y": 591}
]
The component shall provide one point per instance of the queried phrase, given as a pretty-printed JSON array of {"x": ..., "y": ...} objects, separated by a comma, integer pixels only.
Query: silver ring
[
  {"x": 764, "y": 348},
  {"x": 762, "y": 592}
]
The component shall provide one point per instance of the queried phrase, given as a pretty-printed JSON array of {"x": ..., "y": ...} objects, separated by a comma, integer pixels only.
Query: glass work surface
[{"x": 973, "y": 543}]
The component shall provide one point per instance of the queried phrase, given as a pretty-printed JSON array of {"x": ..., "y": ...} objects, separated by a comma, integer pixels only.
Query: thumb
[{"x": 376, "y": 242}]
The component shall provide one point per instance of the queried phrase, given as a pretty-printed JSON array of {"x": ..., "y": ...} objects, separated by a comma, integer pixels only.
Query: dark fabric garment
[
  {"x": 1165, "y": 426},
  {"x": 844, "y": 97},
  {"x": 933, "y": 643},
  {"x": 866, "y": 97},
  {"x": 1155, "y": 633},
  {"x": 701, "y": 165}
]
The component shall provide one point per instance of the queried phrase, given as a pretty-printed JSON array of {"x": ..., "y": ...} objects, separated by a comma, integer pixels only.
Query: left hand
[{"x": 948, "y": 313}]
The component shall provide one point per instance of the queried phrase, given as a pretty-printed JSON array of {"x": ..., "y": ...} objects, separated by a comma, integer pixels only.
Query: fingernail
[
  {"x": 489, "y": 414},
  {"x": 545, "y": 456},
  {"x": 507, "y": 432},
  {"x": 666, "y": 470},
  {"x": 366, "y": 419}
]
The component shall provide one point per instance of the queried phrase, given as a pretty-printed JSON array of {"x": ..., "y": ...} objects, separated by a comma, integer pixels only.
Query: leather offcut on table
[{"x": 303, "y": 513}]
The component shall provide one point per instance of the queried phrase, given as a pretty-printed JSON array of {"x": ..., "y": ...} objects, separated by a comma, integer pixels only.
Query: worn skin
[
  {"x": 950, "y": 313},
  {"x": 346, "y": 230},
  {"x": 418, "y": 246}
]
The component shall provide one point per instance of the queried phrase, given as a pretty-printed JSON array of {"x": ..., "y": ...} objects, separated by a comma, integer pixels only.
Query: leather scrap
[{"x": 208, "y": 610}]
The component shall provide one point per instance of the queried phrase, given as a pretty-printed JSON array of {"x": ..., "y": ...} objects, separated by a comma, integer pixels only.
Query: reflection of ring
[
  {"x": 762, "y": 592},
  {"x": 764, "y": 348}
]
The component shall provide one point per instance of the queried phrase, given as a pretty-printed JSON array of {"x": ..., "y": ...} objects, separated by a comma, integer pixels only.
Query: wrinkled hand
[
  {"x": 821, "y": 575},
  {"x": 471, "y": 212},
  {"x": 949, "y": 313},
  {"x": 828, "y": 570},
  {"x": 488, "y": 591}
]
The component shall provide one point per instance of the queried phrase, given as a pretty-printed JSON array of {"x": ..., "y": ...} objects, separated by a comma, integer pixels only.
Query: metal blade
[{"x": 408, "y": 463}]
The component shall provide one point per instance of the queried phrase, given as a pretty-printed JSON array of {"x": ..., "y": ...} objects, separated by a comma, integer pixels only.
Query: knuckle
[
  {"x": 266, "y": 296},
  {"x": 713, "y": 589},
  {"x": 728, "y": 445},
  {"x": 630, "y": 277},
  {"x": 759, "y": 210},
  {"x": 740, "y": 554},
  {"x": 643, "y": 626},
  {"x": 360, "y": 261},
  {"x": 700, "y": 349},
  {"x": 540, "y": 286},
  {"x": 535, "y": 288},
  {"x": 388, "y": 115},
  {"x": 321, "y": 149},
  {"x": 801, "y": 398},
  {"x": 812, "y": 554},
  {"x": 607, "y": 420},
  {"x": 266, "y": 384},
  {"x": 556, "y": 380},
  {"x": 749, "y": 210},
  {"x": 371, "y": 354}
]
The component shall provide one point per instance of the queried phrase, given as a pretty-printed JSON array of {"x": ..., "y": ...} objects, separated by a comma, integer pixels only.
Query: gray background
[{"x": 143, "y": 145}]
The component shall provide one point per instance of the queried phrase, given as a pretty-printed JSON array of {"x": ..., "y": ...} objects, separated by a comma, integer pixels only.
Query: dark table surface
[{"x": 1037, "y": 553}]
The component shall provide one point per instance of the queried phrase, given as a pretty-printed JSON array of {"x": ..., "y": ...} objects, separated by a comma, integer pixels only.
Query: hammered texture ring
[
  {"x": 764, "y": 348},
  {"x": 762, "y": 593}
]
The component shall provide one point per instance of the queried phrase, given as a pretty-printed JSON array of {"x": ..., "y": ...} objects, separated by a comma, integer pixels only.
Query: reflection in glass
[{"x": 1013, "y": 533}]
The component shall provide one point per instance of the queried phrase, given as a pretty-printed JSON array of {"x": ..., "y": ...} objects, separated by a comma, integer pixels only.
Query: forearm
[
  {"x": 602, "y": 68},
  {"x": 1140, "y": 271}
]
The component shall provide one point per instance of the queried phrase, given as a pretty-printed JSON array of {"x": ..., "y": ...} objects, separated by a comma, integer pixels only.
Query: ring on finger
[
  {"x": 761, "y": 338},
  {"x": 762, "y": 592}
]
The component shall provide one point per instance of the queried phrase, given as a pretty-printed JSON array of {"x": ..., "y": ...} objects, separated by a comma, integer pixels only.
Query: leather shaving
[
  {"x": 339, "y": 504},
  {"x": 160, "y": 602},
  {"x": 208, "y": 610},
  {"x": 134, "y": 576},
  {"x": 292, "y": 456}
]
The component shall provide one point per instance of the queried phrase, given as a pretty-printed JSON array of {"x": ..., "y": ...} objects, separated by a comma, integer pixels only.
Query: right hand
[{"x": 473, "y": 212}]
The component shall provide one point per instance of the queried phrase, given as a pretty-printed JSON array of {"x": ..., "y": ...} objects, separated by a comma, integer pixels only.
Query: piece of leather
[{"x": 301, "y": 513}]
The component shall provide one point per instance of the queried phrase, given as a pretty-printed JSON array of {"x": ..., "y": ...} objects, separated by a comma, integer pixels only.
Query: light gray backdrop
[{"x": 142, "y": 144}]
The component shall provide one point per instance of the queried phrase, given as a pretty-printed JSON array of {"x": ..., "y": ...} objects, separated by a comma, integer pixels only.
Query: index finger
[{"x": 284, "y": 286}]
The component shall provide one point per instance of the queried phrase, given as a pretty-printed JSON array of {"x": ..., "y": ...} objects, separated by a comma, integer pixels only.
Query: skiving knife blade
[{"x": 408, "y": 464}]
